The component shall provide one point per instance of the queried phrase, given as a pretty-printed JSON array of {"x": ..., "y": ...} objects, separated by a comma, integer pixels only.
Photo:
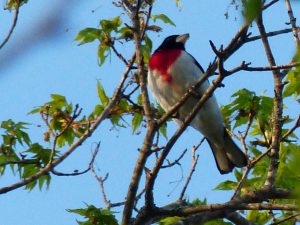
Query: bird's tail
[{"x": 229, "y": 155}]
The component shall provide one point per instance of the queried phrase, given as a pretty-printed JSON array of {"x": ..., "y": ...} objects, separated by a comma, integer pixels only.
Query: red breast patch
[{"x": 162, "y": 60}]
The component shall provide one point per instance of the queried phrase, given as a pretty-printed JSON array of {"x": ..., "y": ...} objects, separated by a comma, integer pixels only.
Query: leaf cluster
[
  {"x": 25, "y": 162},
  {"x": 95, "y": 216}
]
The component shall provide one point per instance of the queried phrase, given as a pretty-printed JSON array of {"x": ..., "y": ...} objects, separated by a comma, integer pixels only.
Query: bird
[{"x": 171, "y": 72}]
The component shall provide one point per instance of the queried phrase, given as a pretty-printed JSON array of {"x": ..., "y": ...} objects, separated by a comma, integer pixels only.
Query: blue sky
[{"x": 41, "y": 59}]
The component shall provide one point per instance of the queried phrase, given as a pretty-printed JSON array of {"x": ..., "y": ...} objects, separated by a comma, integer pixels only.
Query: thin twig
[
  {"x": 16, "y": 15},
  {"x": 192, "y": 170},
  {"x": 176, "y": 161},
  {"x": 269, "y": 34},
  {"x": 121, "y": 57},
  {"x": 76, "y": 173},
  {"x": 290, "y": 131},
  {"x": 269, "y": 4},
  {"x": 101, "y": 183},
  {"x": 286, "y": 219},
  {"x": 293, "y": 23},
  {"x": 245, "y": 67}
]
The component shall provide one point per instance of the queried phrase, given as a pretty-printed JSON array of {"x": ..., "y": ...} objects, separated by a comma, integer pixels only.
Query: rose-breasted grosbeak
[{"x": 172, "y": 71}]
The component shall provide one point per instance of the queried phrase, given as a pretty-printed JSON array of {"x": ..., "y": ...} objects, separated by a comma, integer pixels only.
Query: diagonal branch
[
  {"x": 277, "y": 108},
  {"x": 192, "y": 170},
  {"x": 75, "y": 145},
  {"x": 76, "y": 173},
  {"x": 16, "y": 15},
  {"x": 270, "y": 34},
  {"x": 293, "y": 23}
]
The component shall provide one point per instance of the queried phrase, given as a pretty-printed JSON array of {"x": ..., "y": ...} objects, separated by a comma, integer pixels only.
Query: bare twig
[
  {"x": 286, "y": 219},
  {"x": 192, "y": 170},
  {"x": 121, "y": 57},
  {"x": 293, "y": 23},
  {"x": 269, "y": 4},
  {"x": 76, "y": 173},
  {"x": 245, "y": 67},
  {"x": 100, "y": 179},
  {"x": 290, "y": 131},
  {"x": 176, "y": 161},
  {"x": 269, "y": 34},
  {"x": 13, "y": 25}
]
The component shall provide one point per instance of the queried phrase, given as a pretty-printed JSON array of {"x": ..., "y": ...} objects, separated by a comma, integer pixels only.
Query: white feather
[{"x": 185, "y": 73}]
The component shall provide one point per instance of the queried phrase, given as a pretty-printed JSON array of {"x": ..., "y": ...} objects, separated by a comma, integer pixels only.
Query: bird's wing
[{"x": 198, "y": 64}]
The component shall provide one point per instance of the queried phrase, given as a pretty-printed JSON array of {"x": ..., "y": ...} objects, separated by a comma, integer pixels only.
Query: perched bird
[{"x": 172, "y": 71}]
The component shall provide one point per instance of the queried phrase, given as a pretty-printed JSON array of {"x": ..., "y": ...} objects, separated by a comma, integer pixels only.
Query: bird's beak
[{"x": 182, "y": 38}]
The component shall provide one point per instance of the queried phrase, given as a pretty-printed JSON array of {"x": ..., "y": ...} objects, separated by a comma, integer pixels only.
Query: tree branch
[
  {"x": 269, "y": 34},
  {"x": 277, "y": 109},
  {"x": 16, "y": 15},
  {"x": 293, "y": 23},
  {"x": 146, "y": 148},
  {"x": 192, "y": 170},
  {"x": 76, "y": 144},
  {"x": 76, "y": 173}
]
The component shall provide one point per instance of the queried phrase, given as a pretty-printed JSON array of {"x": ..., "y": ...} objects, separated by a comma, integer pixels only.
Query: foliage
[
  {"x": 252, "y": 9},
  {"x": 95, "y": 216},
  {"x": 25, "y": 163},
  {"x": 13, "y": 4}
]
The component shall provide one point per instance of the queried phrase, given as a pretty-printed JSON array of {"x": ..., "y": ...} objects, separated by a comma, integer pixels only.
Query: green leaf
[
  {"x": 101, "y": 94},
  {"x": 217, "y": 222},
  {"x": 126, "y": 33},
  {"x": 170, "y": 220},
  {"x": 226, "y": 185},
  {"x": 252, "y": 9},
  {"x": 111, "y": 24},
  {"x": 245, "y": 103},
  {"x": 238, "y": 174},
  {"x": 98, "y": 110},
  {"x": 136, "y": 121},
  {"x": 103, "y": 53},
  {"x": 146, "y": 49},
  {"x": 163, "y": 18},
  {"x": 198, "y": 202},
  {"x": 44, "y": 180},
  {"x": 15, "y": 132},
  {"x": 35, "y": 111},
  {"x": 258, "y": 217},
  {"x": 293, "y": 87},
  {"x": 178, "y": 4},
  {"x": 265, "y": 112},
  {"x": 88, "y": 35},
  {"x": 95, "y": 216},
  {"x": 163, "y": 130},
  {"x": 12, "y": 4},
  {"x": 288, "y": 176},
  {"x": 58, "y": 101}
]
